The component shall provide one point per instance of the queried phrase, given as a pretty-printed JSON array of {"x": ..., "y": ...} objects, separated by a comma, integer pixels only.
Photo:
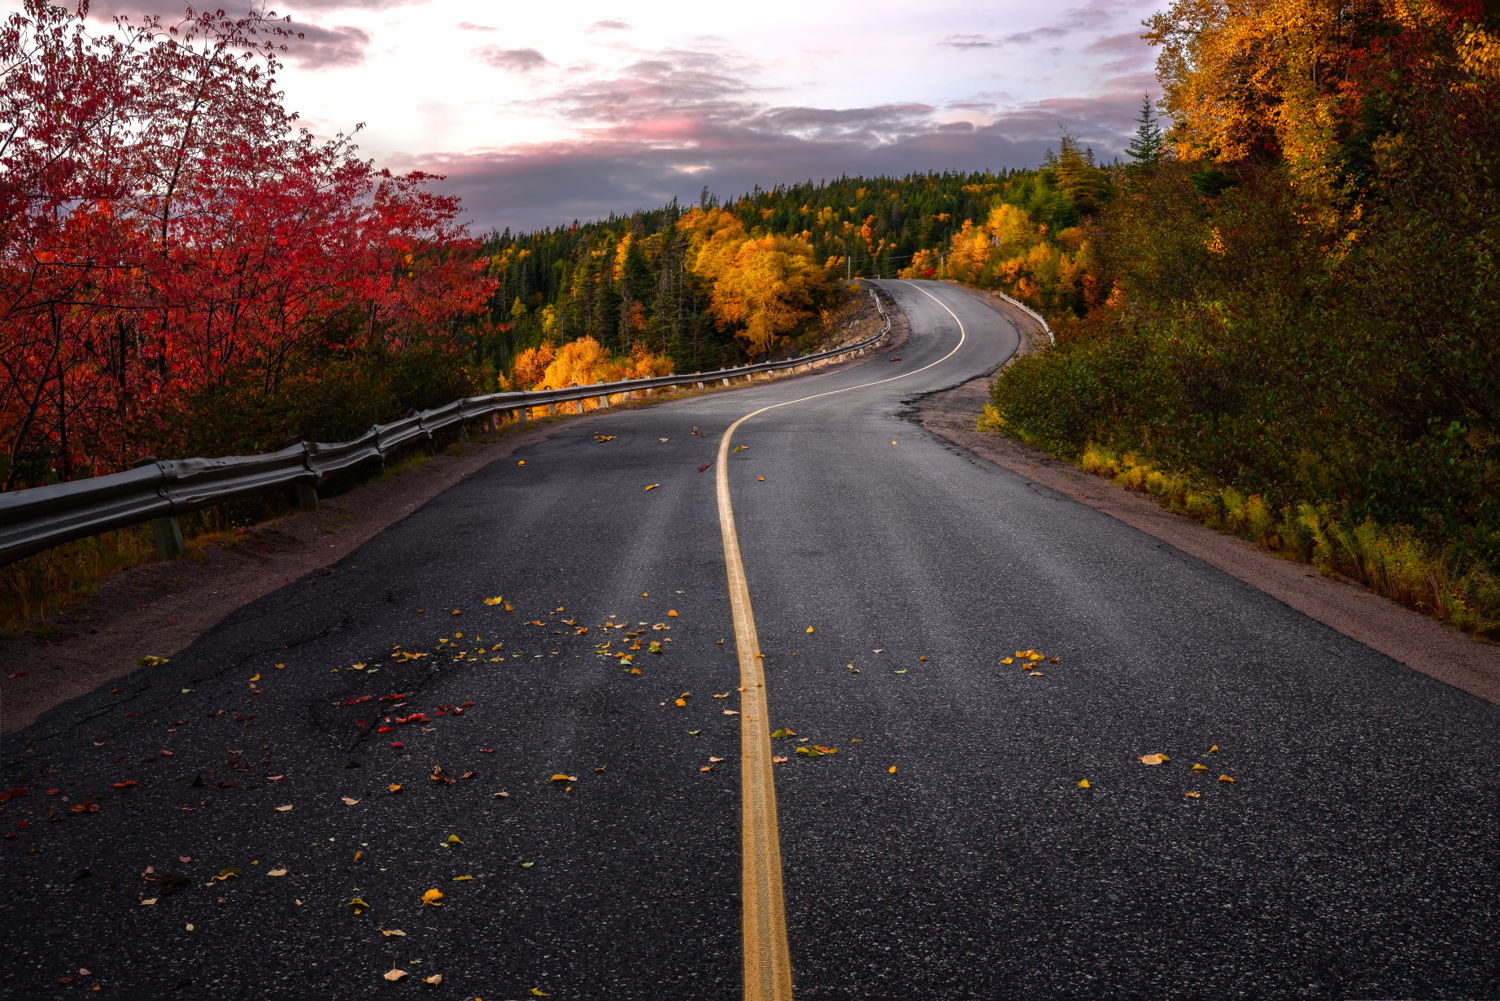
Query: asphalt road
[{"x": 1352, "y": 856}]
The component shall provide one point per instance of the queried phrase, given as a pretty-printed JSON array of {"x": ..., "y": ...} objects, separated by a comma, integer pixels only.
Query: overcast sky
[{"x": 541, "y": 112}]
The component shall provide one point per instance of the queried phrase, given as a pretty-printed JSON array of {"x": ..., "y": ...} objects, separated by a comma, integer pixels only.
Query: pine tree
[{"x": 1148, "y": 146}]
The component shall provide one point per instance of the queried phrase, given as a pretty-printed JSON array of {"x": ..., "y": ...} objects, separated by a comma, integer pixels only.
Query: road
[{"x": 261, "y": 831}]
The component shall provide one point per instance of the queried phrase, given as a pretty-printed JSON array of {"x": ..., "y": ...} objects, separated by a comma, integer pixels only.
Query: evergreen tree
[{"x": 1148, "y": 146}]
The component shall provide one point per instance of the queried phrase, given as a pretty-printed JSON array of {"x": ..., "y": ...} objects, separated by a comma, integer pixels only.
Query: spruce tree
[{"x": 1148, "y": 146}]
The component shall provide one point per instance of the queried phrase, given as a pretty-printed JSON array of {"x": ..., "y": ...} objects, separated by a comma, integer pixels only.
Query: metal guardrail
[
  {"x": 1031, "y": 313},
  {"x": 41, "y": 517}
]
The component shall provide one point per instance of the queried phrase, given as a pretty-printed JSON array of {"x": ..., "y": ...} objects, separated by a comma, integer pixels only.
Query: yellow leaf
[
  {"x": 1200, "y": 768},
  {"x": 393, "y": 787},
  {"x": 1008, "y": 660},
  {"x": 540, "y": 993},
  {"x": 652, "y": 486},
  {"x": 1214, "y": 749},
  {"x": 779, "y": 760},
  {"x": 460, "y": 879},
  {"x": 809, "y": 628},
  {"x": 892, "y": 769},
  {"x": 762, "y": 479},
  {"x": 497, "y": 600},
  {"x": 1083, "y": 784},
  {"x": 148, "y": 901},
  {"x": 276, "y": 872},
  {"x": 1191, "y": 795},
  {"x": 706, "y": 768},
  {"x": 1225, "y": 778},
  {"x": 560, "y": 777},
  {"x": 255, "y": 677},
  {"x": 454, "y": 839},
  {"x": 388, "y": 932},
  {"x": 349, "y": 800},
  {"x": 731, "y": 712},
  {"x": 671, "y": 613},
  {"x": 1154, "y": 759},
  {"x": 283, "y": 809},
  {"x": 521, "y": 463},
  {"x": 431, "y": 897},
  {"x": 394, "y": 975},
  {"x": 682, "y": 702}
]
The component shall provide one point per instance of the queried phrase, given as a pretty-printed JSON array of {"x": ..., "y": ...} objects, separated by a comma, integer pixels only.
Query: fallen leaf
[
  {"x": 497, "y": 600},
  {"x": 527, "y": 865},
  {"x": 255, "y": 677},
  {"x": 1200, "y": 768},
  {"x": 681, "y": 702},
  {"x": 652, "y": 486},
  {"x": 560, "y": 777},
  {"x": 454, "y": 839},
  {"x": 388, "y": 932},
  {"x": 1084, "y": 784},
  {"x": 434, "y": 980},
  {"x": 715, "y": 761},
  {"x": 1214, "y": 749},
  {"x": 740, "y": 448},
  {"x": 779, "y": 760},
  {"x": 394, "y": 975},
  {"x": 190, "y": 926},
  {"x": 762, "y": 479},
  {"x": 148, "y": 901},
  {"x": 1191, "y": 795},
  {"x": 809, "y": 628},
  {"x": 349, "y": 800},
  {"x": 1154, "y": 759},
  {"x": 704, "y": 466},
  {"x": 283, "y": 809},
  {"x": 521, "y": 463},
  {"x": 393, "y": 787},
  {"x": 892, "y": 769},
  {"x": 706, "y": 768},
  {"x": 432, "y": 898},
  {"x": 502, "y": 794},
  {"x": 460, "y": 879},
  {"x": 540, "y": 993},
  {"x": 276, "y": 872},
  {"x": 731, "y": 712},
  {"x": 1225, "y": 778}
]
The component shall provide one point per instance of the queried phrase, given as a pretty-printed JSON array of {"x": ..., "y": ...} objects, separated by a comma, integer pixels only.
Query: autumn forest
[{"x": 1278, "y": 311}]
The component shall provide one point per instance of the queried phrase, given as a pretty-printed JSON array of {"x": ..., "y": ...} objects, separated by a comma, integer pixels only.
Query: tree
[{"x": 1148, "y": 145}]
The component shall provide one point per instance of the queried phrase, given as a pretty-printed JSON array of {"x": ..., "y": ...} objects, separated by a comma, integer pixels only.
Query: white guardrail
[
  {"x": 1031, "y": 313},
  {"x": 157, "y": 491}
]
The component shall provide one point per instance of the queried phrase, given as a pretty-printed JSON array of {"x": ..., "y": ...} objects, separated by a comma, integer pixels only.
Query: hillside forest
[{"x": 1278, "y": 312}]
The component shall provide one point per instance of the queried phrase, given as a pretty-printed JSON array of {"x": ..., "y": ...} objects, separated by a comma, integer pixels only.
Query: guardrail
[
  {"x": 157, "y": 491},
  {"x": 1031, "y": 313}
]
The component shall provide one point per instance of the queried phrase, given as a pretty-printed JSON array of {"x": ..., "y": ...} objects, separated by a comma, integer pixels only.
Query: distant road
[{"x": 947, "y": 849}]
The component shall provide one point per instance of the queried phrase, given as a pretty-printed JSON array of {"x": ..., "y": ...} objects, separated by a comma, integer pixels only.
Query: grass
[{"x": 1389, "y": 559}]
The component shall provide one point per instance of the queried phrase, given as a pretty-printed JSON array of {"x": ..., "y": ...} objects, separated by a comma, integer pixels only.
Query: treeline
[
  {"x": 717, "y": 283},
  {"x": 1287, "y": 317}
]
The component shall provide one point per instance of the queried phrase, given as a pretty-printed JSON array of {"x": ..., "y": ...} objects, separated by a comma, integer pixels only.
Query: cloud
[
  {"x": 730, "y": 146},
  {"x": 1128, "y": 43},
  {"x": 171, "y": 12},
  {"x": 512, "y": 60},
  {"x": 323, "y": 48},
  {"x": 609, "y": 25}
]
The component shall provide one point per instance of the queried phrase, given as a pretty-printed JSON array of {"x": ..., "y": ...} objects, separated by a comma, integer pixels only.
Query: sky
[{"x": 541, "y": 113}]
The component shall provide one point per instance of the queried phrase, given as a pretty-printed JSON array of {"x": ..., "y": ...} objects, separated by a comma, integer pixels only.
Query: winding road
[{"x": 761, "y": 694}]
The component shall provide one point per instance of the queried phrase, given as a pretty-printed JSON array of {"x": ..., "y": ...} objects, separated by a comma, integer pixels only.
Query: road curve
[{"x": 947, "y": 849}]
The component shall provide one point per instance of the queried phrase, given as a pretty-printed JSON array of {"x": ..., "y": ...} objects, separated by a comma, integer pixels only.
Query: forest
[{"x": 1279, "y": 312}]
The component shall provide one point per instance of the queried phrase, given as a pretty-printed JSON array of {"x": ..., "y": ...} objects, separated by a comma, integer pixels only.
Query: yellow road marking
[{"x": 768, "y": 963}]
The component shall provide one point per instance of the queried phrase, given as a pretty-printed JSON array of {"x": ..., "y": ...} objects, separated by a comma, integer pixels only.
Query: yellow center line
[{"x": 768, "y": 963}]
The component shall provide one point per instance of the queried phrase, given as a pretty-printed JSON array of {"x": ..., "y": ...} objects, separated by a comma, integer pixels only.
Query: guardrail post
[{"x": 166, "y": 530}]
